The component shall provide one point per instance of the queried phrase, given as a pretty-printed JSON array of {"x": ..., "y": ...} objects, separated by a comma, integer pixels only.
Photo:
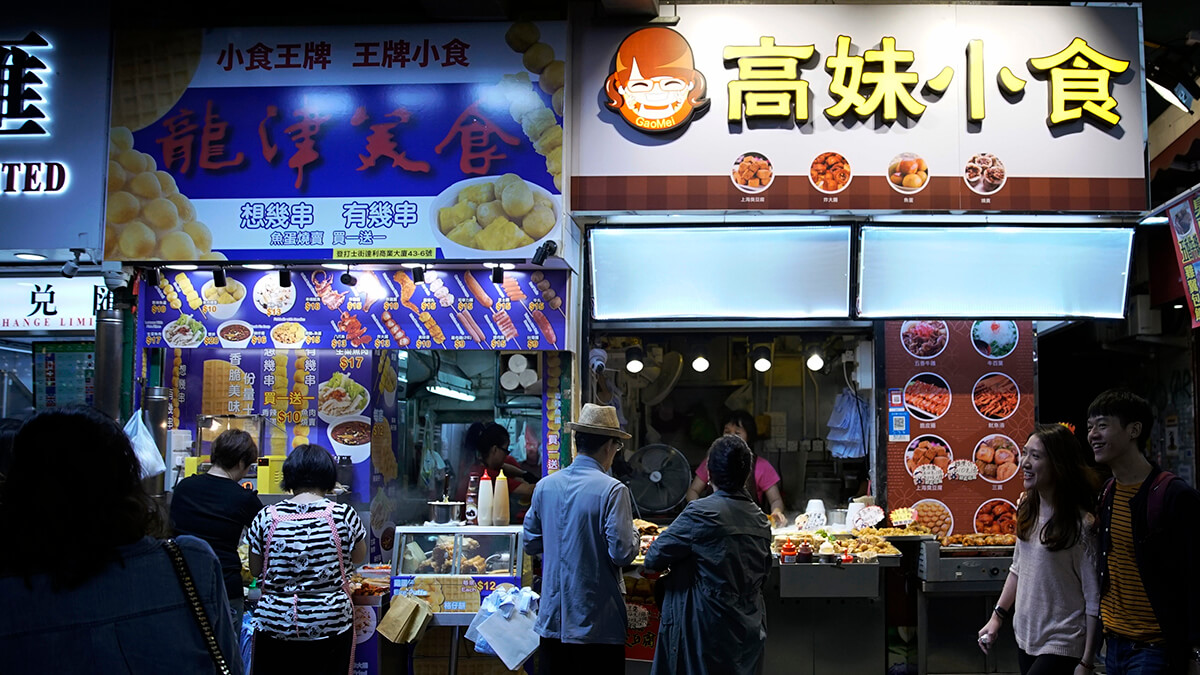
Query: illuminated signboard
[{"x": 54, "y": 92}]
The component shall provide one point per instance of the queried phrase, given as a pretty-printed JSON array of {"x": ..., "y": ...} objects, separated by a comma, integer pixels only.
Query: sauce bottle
[
  {"x": 804, "y": 554},
  {"x": 485, "y": 500},
  {"x": 472, "y": 509},
  {"x": 500, "y": 499},
  {"x": 787, "y": 553}
]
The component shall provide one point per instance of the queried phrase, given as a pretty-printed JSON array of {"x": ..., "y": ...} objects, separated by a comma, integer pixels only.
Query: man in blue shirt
[{"x": 581, "y": 523}]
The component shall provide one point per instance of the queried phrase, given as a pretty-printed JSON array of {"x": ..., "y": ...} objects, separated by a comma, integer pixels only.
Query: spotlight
[
  {"x": 347, "y": 278},
  {"x": 544, "y": 251},
  {"x": 699, "y": 364},
  {"x": 285, "y": 278},
  {"x": 761, "y": 357},
  {"x": 182, "y": 267},
  {"x": 1174, "y": 80},
  {"x": 633, "y": 359},
  {"x": 219, "y": 279},
  {"x": 418, "y": 275},
  {"x": 497, "y": 275},
  {"x": 1178, "y": 305},
  {"x": 71, "y": 267},
  {"x": 152, "y": 277},
  {"x": 815, "y": 362}
]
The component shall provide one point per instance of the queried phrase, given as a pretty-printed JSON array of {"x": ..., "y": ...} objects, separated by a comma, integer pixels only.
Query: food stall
[
  {"x": 815, "y": 217},
  {"x": 352, "y": 244}
]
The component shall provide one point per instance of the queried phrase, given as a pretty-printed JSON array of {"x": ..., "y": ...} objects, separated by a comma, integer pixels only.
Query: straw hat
[{"x": 598, "y": 419}]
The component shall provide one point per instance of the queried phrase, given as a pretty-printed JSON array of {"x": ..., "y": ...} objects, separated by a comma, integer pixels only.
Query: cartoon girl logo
[{"x": 655, "y": 85}]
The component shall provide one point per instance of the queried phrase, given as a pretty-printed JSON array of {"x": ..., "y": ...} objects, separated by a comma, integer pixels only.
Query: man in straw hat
[{"x": 581, "y": 523}]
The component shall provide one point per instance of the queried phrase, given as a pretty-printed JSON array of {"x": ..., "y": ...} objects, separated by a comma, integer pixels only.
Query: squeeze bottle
[
  {"x": 500, "y": 499},
  {"x": 787, "y": 553},
  {"x": 485, "y": 499},
  {"x": 472, "y": 515}
]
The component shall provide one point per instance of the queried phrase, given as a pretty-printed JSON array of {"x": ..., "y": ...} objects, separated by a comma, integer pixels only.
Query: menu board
[
  {"x": 1183, "y": 217},
  {"x": 961, "y": 406},
  {"x": 452, "y": 309},
  {"x": 63, "y": 374}
]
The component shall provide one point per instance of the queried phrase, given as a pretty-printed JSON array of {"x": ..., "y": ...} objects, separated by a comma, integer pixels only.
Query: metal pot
[{"x": 444, "y": 512}]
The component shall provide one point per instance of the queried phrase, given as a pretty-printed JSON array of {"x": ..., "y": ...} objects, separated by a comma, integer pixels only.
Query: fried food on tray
[{"x": 645, "y": 527}]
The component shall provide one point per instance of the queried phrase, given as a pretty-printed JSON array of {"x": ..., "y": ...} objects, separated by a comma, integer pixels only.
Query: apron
[{"x": 327, "y": 515}]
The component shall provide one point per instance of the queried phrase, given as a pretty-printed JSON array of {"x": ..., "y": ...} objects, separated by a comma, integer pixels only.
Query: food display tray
[{"x": 908, "y": 537}]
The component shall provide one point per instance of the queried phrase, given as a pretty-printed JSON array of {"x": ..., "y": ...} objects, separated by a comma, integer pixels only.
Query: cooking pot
[{"x": 444, "y": 512}]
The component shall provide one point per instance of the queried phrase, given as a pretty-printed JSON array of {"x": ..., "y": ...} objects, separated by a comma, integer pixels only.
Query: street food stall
[{"x": 769, "y": 231}]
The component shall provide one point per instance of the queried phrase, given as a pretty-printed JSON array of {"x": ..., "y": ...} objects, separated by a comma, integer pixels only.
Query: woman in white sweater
[{"x": 1052, "y": 590}]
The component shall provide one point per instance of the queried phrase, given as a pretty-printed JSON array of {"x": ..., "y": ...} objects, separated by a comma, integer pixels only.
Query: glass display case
[{"x": 454, "y": 568}]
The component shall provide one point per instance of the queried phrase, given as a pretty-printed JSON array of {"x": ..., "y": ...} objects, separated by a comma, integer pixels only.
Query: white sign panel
[{"x": 47, "y": 303}]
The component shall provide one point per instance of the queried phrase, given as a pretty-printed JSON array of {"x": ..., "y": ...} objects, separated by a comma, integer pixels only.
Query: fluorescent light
[
  {"x": 182, "y": 268},
  {"x": 259, "y": 266},
  {"x": 1155, "y": 220},
  {"x": 442, "y": 390},
  {"x": 1168, "y": 95},
  {"x": 411, "y": 265},
  {"x": 490, "y": 265},
  {"x": 508, "y": 266},
  {"x": 33, "y": 257},
  {"x": 700, "y": 364}
]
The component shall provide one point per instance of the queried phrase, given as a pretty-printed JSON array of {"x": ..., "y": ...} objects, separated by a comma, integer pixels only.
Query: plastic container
[
  {"x": 500, "y": 499},
  {"x": 472, "y": 509},
  {"x": 787, "y": 553},
  {"x": 485, "y": 500}
]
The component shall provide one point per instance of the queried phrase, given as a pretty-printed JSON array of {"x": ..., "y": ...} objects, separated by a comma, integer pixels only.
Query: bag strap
[
  {"x": 193, "y": 599},
  {"x": 1154, "y": 502}
]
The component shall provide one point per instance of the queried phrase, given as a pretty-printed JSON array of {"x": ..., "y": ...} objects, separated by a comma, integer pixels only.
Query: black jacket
[{"x": 1168, "y": 557}]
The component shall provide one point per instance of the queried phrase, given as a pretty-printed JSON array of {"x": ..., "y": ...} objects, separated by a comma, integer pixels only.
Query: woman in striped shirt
[
  {"x": 1052, "y": 582},
  {"x": 303, "y": 549}
]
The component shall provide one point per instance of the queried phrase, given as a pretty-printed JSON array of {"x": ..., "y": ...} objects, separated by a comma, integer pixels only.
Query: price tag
[
  {"x": 536, "y": 305},
  {"x": 503, "y": 305},
  {"x": 459, "y": 343},
  {"x": 423, "y": 343},
  {"x": 383, "y": 342},
  {"x": 311, "y": 306},
  {"x": 499, "y": 341},
  {"x": 532, "y": 342},
  {"x": 389, "y": 305},
  {"x": 428, "y": 305},
  {"x": 353, "y": 304},
  {"x": 350, "y": 362},
  {"x": 465, "y": 304}
]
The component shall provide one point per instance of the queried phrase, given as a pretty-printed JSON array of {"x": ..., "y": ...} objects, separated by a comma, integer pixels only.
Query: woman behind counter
[
  {"x": 766, "y": 479},
  {"x": 489, "y": 442},
  {"x": 719, "y": 553}
]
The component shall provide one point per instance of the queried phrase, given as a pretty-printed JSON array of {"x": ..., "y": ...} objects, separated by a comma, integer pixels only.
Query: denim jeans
[{"x": 1123, "y": 656}]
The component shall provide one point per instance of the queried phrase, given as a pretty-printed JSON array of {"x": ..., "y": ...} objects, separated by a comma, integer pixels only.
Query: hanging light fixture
[
  {"x": 633, "y": 359},
  {"x": 348, "y": 279},
  {"x": 815, "y": 362},
  {"x": 418, "y": 275},
  {"x": 219, "y": 279},
  {"x": 760, "y": 356},
  {"x": 285, "y": 278},
  {"x": 700, "y": 364}
]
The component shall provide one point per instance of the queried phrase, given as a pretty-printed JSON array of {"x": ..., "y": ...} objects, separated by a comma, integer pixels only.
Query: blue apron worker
[
  {"x": 718, "y": 552},
  {"x": 581, "y": 523}
]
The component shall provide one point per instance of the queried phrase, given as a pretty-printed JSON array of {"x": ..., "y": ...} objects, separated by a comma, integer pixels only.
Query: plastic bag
[
  {"x": 507, "y": 604},
  {"x": 144, "y": 446}
]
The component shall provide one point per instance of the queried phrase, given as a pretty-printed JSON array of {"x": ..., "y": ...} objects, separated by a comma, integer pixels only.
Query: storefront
[
  {"x": 828, "y": 214},
  {"x": 354, "y": 237}
]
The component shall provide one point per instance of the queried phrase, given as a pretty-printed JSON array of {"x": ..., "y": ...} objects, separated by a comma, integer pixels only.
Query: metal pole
[
  {"x": 154, "y": 414},
  {"x": 110, "y": 361}
]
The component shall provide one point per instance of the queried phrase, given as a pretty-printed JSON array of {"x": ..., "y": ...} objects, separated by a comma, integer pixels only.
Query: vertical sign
[{"x": 1183, "y": 218}]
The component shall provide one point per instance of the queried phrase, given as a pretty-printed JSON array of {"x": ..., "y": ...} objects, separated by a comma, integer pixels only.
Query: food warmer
[
  {"x": 959, "y": 587},
  {"x": 454, "y": 568}
]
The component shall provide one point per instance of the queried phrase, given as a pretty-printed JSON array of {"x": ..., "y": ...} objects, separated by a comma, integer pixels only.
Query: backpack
[{"x": 1154, "y": 503}]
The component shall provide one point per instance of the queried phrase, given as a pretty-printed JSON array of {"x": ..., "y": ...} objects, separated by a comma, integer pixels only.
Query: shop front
[
  {"x": 354, "y": 238},
  {"x": 849, "y": 222}
]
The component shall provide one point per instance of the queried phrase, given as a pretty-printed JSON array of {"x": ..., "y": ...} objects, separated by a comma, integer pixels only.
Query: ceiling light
[
  {"x": 497, "y": 275},
  {"x": 633, "y": 359},
  {"x": 285, "y": 278},
  {"x": 348, "y": 278},
  {"x": 490, "y": 265},
  {"x": 418, "y": 275},
  {"x": 411, "y": 265},
  {"x": 182, "y": 268},
  {"x": 448, "y": 392},
  {"x": 219, "y": 279},
  {"x": 1154, "y": 220},
  {"x": 152, "y": 277},
  {"x": 32, "y": 257},
  {"x": 761, "y": 357},
  {"x": 700, "y": 364},
  {"x": 815, "y": 362},
  {"x": 332, "y": 266},
  {"x": 259, "y": 266},
  {"x": 1178, "y": 305},
  {"x": 508, "y": 266},
  {"x": 544, "y": 251}
]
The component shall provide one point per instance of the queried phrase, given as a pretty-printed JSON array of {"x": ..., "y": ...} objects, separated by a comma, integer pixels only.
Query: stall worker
[
  {"x": 581, "y": 523},
  {"x": 488, "y": 442},
  {"x": 719, "y": 554},
  {"x": 766, "y": 479}
]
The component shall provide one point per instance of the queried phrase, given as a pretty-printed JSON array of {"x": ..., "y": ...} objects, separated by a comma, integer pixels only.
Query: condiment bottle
[
  {"x": 500, "y": 499},
  {"x": 472, "y": 511},
  {"x": 804, "y": 554},
  {"x": 485, "y": 500},
  {"x": 787, "y": 553}
]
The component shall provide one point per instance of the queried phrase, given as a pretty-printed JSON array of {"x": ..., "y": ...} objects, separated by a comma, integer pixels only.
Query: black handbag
[{"x": 193, "y": 599}]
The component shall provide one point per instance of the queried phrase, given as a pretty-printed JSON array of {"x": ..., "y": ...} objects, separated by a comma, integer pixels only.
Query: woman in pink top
[
  {"x": 1052, "y": 581},
  {"x": 766, "y": 479}
]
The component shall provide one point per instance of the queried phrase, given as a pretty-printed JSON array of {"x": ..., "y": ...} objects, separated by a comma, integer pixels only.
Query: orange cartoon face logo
[{"x": 654, "y": 84}]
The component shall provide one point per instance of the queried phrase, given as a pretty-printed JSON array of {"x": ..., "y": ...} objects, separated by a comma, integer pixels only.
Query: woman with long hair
[
  {"x": 89, "y": 586},
  {"x": 488, "y": 442},
  {"x": 1052, "y": 581}
]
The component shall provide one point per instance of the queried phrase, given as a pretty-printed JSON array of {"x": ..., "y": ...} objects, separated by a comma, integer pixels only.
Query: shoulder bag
[{"x": 193, "y": 599}]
